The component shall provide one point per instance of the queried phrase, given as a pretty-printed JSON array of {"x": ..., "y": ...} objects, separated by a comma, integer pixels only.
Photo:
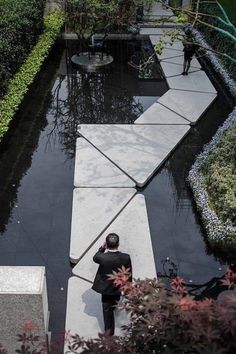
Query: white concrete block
[
  {"x": 190, "y": 105},
  {"x": 170, "y": 69},
  {"x": 158, "y": 10},
  {"x": 92, "y": 212},
  {"x": 168, "y": 53},
  {"x": 160, "y": 32},
  {"x": 177, "y": 45},
  {"x": 195, "y": 81},
  {"x": 84, "y": 311},
  {"x": 23, "y": 298},
  {"x": 137, "y": 149},
  {"x": 133, "y": 229},
  {"x": 151, "y": 31},
  {"x": 158, "y": 114},
  {"x": 92, "y": 169},
  {"x": 180, "y": 60}
]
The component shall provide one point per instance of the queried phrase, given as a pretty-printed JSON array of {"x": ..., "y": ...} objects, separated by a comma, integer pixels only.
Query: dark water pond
[{"x": 37, "y": 166}]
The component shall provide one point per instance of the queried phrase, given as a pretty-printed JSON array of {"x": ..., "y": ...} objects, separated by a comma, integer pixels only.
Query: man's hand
[{"x": 104, "y": 245}]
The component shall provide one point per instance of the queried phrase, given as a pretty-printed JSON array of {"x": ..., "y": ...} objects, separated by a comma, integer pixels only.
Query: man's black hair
[{"x": 112, "y": 241}]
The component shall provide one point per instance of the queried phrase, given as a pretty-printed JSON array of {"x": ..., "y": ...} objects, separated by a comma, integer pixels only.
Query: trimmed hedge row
[
  {"x": 18, "y": 85},
  {"x": 218, "y": 230},
  {"x": 219, "y": 171},
  {"x": 21, "y": 22}
]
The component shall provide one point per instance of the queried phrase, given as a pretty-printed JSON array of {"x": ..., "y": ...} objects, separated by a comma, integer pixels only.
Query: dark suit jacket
[{"x": 108, "y": 262}]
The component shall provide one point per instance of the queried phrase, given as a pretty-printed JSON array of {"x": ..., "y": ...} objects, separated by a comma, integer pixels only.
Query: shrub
[
  {"x": 217, "y": 230},
  {"x": 21, "y": 23},
  {"x": 19, "y": 84},
  {"x": 219, "y": 171},
  {"x": 162, "y": 320}
]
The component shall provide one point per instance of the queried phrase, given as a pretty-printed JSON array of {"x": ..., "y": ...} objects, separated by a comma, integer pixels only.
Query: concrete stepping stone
[
  {"x": 195, "y": 81},
  {"x": 190, "y": 105},
  {"x": 180, "y": 59},
  {"x": 84, "y": 311},
  {"x": 170, "y": 69},
  {"x": 168, "y": 53},
  {"x": 177, "y": 45},
  {"x": 158, "y": 114},
  {"x": 158, "y": 11},
  {"x": 154, "y": 38},
  {"x": 133, "y": 228},
  {"x": 151, "y": 31},
  {"x": 92, "y": 169},
  {"x": 92, "y": 212},
  {"x": 137, "y": 149}
]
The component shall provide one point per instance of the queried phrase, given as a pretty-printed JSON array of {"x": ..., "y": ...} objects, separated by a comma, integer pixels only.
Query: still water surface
[{"x": 37, "y": 166}]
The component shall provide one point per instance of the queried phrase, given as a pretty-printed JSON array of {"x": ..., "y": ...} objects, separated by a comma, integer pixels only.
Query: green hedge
[
  {"x": 219, "y": 171},
  {"x": 19, "y": 84},
  {"x": 21, "y": 23},
  {"x": 217, "y": 40}
]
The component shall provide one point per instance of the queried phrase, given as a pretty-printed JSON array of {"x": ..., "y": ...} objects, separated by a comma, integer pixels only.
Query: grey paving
[
  {"x": 170, "y": 69},
  {"x": 84, "y": 311},
  {"x": 168, "y": 53},
  {"x": 92, "y": 169},
  {"x": 133, "y": 228},
  {"x": 23, "y": 299},
  {"x": 190, "y": 105},
  {"x": 158, "y": 10},
  {"x": 151, "y": 31},
  {"x": 158, "y": 114},
  {"x": 93, "y": 210},
  {"x": 195, "y": 81},
  {"x": 180, "y": 59},
  {"x": 177, "y": 45},
  {"x": 137, "y": 149}
]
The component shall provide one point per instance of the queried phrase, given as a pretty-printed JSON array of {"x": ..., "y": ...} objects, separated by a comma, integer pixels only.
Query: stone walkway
[{"x": 110, "y": 161}]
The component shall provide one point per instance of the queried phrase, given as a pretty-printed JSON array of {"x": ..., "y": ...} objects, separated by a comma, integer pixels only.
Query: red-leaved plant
[{"x": 161, "y": 321}]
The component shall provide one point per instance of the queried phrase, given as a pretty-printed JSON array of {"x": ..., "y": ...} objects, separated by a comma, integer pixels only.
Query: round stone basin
[{"x": 92, "y": 61}]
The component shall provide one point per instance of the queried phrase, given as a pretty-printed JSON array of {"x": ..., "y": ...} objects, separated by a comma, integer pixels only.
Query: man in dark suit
[{"x": 109, "y": 261}]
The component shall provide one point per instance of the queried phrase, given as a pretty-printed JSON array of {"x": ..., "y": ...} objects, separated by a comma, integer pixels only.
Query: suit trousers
[{"x": 108, "y": 305}]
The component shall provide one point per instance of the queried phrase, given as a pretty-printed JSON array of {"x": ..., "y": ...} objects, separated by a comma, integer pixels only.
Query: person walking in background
[
  {"x": 109, "y": 261},
  {"x": 189, "y": 51}
]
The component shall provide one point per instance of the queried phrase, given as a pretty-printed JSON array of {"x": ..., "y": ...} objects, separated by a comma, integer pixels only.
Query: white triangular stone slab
[
  {"x": 177, "y": 45},
  {"x": 84, "y": 311},
  {"x": 158, "y": 10},
  {"x": 133, "y": 229},
  {"x": 92, "y": 169},
  {"x": 154, "y": 38},
  {"x": 169, "y": 53},
  {"x": 195, "y": 81},
  {"x": 137, "y": 149},
  {"x": 158, "y": 114},
  {"x": 170, "y": 69},
  {"x": 92, "y": 212},
  {"x": 151, "y": 31},
  {"x": 190, "y": 105},
  {"x": 179, "y": 60}
]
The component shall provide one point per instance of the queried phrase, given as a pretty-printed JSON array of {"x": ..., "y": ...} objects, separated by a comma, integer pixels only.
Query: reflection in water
[
  {"x": 115, "y": 95},
  {"x": 16, "y": 158},
  {"x": 36, "y": 171}
]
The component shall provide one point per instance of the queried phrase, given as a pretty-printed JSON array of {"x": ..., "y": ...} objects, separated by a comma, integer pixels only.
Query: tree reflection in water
[{"x": 114, "y": 95}]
